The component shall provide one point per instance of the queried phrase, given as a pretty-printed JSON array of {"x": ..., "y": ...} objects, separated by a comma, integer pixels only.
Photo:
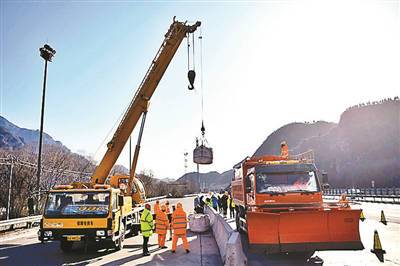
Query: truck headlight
[
  {"x": 100, "y": 233},
  {"x": 48, "y": 233}
]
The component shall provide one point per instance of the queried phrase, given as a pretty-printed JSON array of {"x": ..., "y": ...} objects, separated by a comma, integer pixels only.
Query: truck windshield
[
  {"x": 286, "y": 182},
  {"x": 87, "y": 204}
]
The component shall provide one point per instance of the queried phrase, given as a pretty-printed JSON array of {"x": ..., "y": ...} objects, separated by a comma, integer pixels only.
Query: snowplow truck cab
[{"x": 280, "y": 207}]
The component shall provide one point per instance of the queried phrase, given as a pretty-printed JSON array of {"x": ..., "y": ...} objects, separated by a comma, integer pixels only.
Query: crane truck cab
[
  {"x": 97, "y": 215},
  {"x": 280, "y": 207}
]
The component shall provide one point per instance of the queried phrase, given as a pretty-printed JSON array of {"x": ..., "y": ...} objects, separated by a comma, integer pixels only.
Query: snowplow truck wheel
[{"x": 302, "y": 255}]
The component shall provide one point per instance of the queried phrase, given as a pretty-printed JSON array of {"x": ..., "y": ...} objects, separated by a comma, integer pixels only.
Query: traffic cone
[
  {"x": 377, "y": 250},
  {"x": 383, "y": 218},
  {"x": 362, "y": 217}
]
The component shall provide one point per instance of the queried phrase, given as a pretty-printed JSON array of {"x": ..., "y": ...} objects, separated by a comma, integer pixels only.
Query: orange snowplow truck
[{"x": 279, "y": 205}]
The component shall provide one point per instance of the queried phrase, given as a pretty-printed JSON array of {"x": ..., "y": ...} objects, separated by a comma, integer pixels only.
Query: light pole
[
  {"x": 47, "y": 53},
  {"x": 11, "y": 158}
]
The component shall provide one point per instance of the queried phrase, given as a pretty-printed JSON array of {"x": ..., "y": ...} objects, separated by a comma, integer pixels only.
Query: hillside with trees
[{"x": 18, "y": 146}]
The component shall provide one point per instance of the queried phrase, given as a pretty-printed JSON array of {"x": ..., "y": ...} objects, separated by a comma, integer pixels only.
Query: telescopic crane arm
[{"x": 138, "y": 106}]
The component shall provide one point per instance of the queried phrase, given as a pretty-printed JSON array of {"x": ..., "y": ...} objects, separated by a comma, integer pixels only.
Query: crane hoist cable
[
  {"x": 201, "y": 78},
  {"x": 203, "y": 153},
  {"x": 191, "y": 72}
]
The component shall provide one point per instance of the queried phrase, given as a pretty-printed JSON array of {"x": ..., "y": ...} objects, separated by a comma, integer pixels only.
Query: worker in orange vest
[
  {"x": 156, "y": 209},
  {"x": 162, "y": 226},
  {"x": 179, "y": 224},
  {"x": 343, "y": 201},
  {"x": 284, "y": 150},
  {"x": 169, "y": 215}
]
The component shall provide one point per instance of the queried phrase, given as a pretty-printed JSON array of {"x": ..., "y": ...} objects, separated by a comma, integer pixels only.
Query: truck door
[{"x": 250, "y": 187}]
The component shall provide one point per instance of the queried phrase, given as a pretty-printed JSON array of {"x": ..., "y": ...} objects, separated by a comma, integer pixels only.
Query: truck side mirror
[
  {"x": 325, "y": 178},
  {"x": 248, "y": 184},
  {"x": 325, "y": 181},
  {"x": 326, "y": 186},
  {"x": 120, "y": 200}
]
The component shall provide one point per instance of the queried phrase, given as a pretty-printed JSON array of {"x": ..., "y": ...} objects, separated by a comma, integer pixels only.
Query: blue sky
[{"x": 319, "y": 56}]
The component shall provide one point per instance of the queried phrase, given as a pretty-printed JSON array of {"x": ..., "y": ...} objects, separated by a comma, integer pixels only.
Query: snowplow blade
[{"x": 298, "y": 231}]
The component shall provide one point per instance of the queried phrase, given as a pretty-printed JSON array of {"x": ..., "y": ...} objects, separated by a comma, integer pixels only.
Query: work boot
[
  {"x": 187, "y": 251},
  {"x": 164, "y": 247},
  {"x": 146, "y": 254}
]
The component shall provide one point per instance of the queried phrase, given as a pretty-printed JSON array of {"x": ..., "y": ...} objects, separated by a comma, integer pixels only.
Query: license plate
[{"x": 73, "y": 238}]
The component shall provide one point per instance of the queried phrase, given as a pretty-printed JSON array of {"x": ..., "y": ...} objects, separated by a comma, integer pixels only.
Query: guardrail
[
  {"x": 28, "y": 222},
  {"x": 377, "y": 195},
  {"x": 24, "y": 222},
  {"x": 364, "y": 191},
  {"x": 155, "y": 198}
]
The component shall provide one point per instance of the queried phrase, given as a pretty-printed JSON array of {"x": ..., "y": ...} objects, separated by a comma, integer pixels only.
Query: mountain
[
  {"x": 168, "y": 180},
  {"x": 211, "y": 180},
  {"x": 13, "y": 137},
  {"x": 294, "y": 134},
  {"x": 364, "y": 147}
]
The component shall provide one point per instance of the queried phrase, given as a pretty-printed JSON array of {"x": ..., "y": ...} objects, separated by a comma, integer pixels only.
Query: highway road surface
[
  {"x": 389, "y": 235},
  {"x": 23, "y": 248}
]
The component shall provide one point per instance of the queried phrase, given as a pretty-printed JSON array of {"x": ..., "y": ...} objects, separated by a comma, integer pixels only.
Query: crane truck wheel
[
  {"x": 119, "y": 243},
  {"x": 66, "y": 246}
]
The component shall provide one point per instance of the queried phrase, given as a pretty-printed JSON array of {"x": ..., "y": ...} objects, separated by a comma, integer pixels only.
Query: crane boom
[{"x": 173, "y": 38}]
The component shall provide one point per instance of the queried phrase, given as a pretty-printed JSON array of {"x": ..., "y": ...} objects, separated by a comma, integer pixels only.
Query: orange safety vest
[
  {"x": 179, "y": 222},
  {"x": 157, "y": 208},
  {"x": 162, "y": 223},
  {"x": 344, "y": 201}
]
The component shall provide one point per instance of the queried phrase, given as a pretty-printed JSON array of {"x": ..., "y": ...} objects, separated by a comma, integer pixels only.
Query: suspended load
[
  {"x": 202, "y": 154},
  {"x": 199, "y": 223}
]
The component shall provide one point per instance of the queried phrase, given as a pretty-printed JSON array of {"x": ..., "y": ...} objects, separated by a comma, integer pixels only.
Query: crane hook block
[
  {"x": 203, "y": 129},
  {"x": 191, "y": 77}
]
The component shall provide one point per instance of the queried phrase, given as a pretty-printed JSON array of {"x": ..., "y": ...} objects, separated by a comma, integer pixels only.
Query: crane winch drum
[{"x": 203, "y": 155}]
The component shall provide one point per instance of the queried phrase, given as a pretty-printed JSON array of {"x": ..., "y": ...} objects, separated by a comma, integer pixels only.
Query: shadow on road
[
  {"x": 46, "y": 254},
  {"x": 258, "y": 259},
  {"x": 159, "y": 256},
  {"x": 203, "y": 251}
]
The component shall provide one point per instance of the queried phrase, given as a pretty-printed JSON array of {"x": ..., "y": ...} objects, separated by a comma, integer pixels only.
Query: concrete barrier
[
  {"x": 199, "y": 223},
  {"x": 228, "y": 241},
  {"x": 234, "y": 251}
]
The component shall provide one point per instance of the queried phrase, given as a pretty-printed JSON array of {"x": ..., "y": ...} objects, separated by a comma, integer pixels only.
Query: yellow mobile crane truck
[{"x": 107, "y": 213}]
